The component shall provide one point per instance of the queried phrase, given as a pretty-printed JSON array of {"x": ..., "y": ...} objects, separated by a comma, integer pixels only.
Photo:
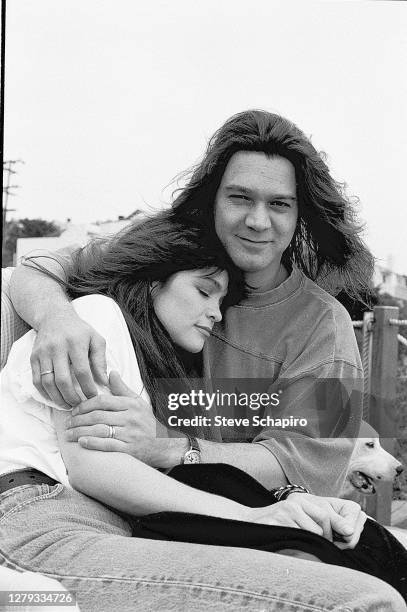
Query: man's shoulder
[
  {"x": 309, "y": 321},
  {"x": 319, "y": 298},
  {"x": 308, "y": 301}
]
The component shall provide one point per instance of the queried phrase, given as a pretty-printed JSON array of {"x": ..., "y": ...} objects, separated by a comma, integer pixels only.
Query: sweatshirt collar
[{"x": 256, "y": 299}]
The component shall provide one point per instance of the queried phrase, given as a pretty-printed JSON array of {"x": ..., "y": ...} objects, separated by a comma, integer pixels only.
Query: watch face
[{"x": 192, "y": 456}]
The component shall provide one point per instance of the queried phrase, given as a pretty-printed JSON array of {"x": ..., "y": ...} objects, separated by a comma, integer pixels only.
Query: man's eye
[
  {"x": 239, "y": 196},
  {"x": 279, "y": 204},
  {"x": 202, "y": 292}
]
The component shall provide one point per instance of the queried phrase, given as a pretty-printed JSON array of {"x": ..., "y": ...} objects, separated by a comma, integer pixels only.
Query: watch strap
[{"x": 193, "y": 446}]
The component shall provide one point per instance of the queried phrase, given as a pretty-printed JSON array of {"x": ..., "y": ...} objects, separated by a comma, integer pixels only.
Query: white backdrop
[{"x": 107, "y": 101}]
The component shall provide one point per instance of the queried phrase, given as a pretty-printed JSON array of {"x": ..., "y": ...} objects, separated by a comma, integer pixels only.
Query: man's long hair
[
  {"x": 124, "y": 269},
  {"x": 326, "y": 245}
]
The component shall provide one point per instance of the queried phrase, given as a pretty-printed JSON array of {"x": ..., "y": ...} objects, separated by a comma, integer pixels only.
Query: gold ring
[{"x": 46, "y": 372}]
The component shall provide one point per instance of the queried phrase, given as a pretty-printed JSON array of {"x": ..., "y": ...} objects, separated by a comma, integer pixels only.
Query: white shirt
[{"x": 27, "y": 433}]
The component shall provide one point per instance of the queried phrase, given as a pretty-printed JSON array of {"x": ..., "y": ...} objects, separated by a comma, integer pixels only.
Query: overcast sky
[{"x": 106, "y": 102}]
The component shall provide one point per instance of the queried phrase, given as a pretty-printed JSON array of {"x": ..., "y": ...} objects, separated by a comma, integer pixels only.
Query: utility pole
[{"x": 8, "y": 167}]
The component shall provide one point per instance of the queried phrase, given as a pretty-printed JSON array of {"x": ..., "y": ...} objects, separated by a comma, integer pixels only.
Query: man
[
  {"x": 270, "y": 198},
  {"x": 268, "y": 195}
]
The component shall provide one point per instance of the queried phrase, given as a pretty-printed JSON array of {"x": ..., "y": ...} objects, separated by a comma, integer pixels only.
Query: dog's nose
[{"x": 399, "y": 469}]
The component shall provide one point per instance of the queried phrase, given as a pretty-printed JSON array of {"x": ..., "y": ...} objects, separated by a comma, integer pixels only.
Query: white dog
[{"x": 369, "y": 464}]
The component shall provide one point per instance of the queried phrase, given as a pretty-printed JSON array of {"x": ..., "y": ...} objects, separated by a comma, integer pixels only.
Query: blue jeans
[{"x": 66, "y": 535}]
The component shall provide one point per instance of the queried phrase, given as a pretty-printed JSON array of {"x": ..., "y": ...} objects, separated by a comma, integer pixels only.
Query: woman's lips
[{"x": 206, "y": 330}]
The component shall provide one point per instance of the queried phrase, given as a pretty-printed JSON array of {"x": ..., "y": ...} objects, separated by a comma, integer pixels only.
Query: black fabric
[{"x": 377, "y": 553}]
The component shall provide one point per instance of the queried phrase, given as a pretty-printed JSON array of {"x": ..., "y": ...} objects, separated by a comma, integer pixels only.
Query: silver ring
[
  {"x": 46, "y": 372},
  {"x": 112, "y": 431}
]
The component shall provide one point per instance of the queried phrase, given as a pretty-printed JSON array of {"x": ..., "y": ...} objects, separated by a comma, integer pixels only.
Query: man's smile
[{"x": 250, "y": 241}]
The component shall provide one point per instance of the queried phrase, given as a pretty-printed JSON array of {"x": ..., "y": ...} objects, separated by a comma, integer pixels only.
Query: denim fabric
[{"x": 87, "y": 547}]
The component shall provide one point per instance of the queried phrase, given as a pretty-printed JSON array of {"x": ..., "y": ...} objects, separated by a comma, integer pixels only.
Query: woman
[
  {"x": 168, "y": 283},
  {"x": 151, "y": 333}
]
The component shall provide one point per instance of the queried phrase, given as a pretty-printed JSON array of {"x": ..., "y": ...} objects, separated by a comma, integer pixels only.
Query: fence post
[
  {"x": 383, "y": 411},
  {"x": 367, "y": 329}
]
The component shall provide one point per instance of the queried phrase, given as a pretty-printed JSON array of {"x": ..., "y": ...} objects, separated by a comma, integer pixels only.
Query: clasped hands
[
  {"x": 338, "y": 520},
  {"x": 136, "y": 430}
]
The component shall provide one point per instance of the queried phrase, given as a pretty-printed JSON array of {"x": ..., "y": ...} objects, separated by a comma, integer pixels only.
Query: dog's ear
[{"x": 367, "y": 431}]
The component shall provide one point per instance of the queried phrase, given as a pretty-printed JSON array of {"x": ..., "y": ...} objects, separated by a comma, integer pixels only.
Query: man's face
[{"x": 256, "y": 213}]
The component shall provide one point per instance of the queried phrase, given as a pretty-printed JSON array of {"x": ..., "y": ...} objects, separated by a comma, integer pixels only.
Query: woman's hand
[
  {"x": 325, "y": 516},
  {"x": 136, "y": 431},
  {"x": 66, "y": 345}
]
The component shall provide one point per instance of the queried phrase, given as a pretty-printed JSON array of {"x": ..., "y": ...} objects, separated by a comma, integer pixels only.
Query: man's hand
[
  {"x": 324, "y": 516},
  {"x": 136, "y": 430},
  {"x": 335, "y": 517},
  {"x": 353, "y": 515},
  {"x": 66, "y": 346}
]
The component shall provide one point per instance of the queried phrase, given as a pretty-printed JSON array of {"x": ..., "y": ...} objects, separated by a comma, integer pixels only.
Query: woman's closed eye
[{"x": 207, "y": 294}]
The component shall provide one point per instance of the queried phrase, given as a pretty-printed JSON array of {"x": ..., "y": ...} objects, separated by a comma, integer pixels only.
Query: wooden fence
[{"x": 380, "y": 346}]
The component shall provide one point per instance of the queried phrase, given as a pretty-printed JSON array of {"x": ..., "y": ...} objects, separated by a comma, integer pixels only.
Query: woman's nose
[
  {"x": 258, "y": 218},
  {"x": 214, "y": 313}
]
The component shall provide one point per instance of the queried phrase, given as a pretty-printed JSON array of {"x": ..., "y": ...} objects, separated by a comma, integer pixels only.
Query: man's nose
[{"x": 258, "y": 218}]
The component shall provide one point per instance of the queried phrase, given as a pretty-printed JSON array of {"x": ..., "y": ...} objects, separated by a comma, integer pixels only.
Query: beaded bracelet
[{"x": 282, "y": 493}]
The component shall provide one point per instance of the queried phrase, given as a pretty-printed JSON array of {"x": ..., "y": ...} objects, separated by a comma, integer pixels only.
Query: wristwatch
[
  {"x": 282, "y": 493},
  {"x": 193, "y": 454}
]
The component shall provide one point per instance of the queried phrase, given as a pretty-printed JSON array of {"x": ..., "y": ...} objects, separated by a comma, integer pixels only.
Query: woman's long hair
[
  {"x": 124, "y": 268},
  {"x": 326, "y": 245}
]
